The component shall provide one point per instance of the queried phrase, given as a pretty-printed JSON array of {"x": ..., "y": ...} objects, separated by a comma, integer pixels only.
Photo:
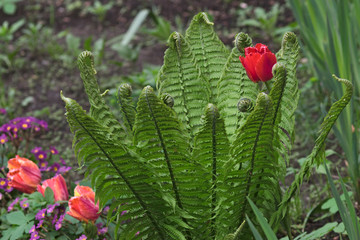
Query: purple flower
[
  {"x": 24, "y": 125},
  {"x": 82, "y": 237},
  {"x": 7, "y": 127},
  {"x": 9, "y": 188},
  {"x": 53, "y": 150},
  {"x": 37, "y": 128},
  {"x": 40, "y": 214},
  {"x": 41, "y": 155},
  {"x": 3, "y": 138},
  {"x": 106, "y": 209},
  {"x": 55, "y": 167},
  {"x": 29, "y": 119},
  {"x": 63, "y": 169},
  {"x": 24, "y": 204},
  {"x": 11, "y": 206},
  {"x": 102, "y": 230},
  {"x": 36, "y": 150},
  {"x": 2, "y": 111},
  {"x": 58, "y": 225},
  {"x": 55, "y": 218},
  {"x": 15, "y": 120},
  {"x": 34, "y": 235},
  {"x": 62, "y": 161},
  {"x": 51, "y": 207},
  {"x": 32, "y": 229},
  {"x": 43, "y": 124},
  {"x": 138, "y": 232},
  {"x": 3, "y": 183},
  {"x": 39, "y": 225},
  {"x": 43, "y": 165}
]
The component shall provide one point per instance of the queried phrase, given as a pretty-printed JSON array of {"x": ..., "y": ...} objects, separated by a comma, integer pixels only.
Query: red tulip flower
[
  {"x": 258, "y": 62},
  {"x": 82, "y": 206},
  {"x": 58, "y": 185},
  {"x": 24, "y": 174}
]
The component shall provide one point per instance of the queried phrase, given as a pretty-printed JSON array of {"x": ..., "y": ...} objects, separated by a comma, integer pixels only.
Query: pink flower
[
  {"x": 58, "y": 185},
  {"x": 82, "y": 206},
  {"x": 24, "y": 174}
]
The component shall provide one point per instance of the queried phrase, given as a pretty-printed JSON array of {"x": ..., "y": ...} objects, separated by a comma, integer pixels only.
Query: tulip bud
[
  {"x": 258, "y": 62},
  {"x": 82, "y": 206},
  {"x": 58, "y": 185},
  {"x": 24, "y": 174}
]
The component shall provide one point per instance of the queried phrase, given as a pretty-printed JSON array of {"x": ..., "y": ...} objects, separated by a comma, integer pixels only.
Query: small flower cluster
[
  {"x": 12, "y": 130},
  {"x": 4, "y": 185},
  {"x": 43, "y": 156},
  {"x": 101, "y": 230},
  {"x": 54, "y": 213},
  {"x": 23, "y": 204},
  {"x": 25, "y": 176}
]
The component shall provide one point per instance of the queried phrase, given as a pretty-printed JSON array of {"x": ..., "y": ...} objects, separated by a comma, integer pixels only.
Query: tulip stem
[{"x": 268, "y": 86}]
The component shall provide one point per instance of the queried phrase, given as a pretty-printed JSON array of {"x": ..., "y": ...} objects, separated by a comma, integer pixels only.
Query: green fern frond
[
  {"x": 210, "y": 52},
  {"x": 127, "y": 106},
  {"x": 276, "y": 94},
  {"x": 288, "y": 56},
  {"x": 234, "y": 84},
  {"x": 180, "y": 78},
  {"x": 211, "y": 150},
  {"x": 117, "y": 173},
  {"x": 160, "y": 140},
  {"x": 316, "y": 156},
  {"x": 98, "y": 110},
  {"x": 253, "y": 171}
]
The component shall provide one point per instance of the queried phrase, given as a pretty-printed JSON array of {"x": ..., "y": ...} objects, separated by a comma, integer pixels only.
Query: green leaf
[
  {"x": 127, "y": 107},
  {"x": 286, "y": 94},
  {"x": 234, "y": 84},
  {"x": 9, "y": 8},
  {"x": 211, "y": 152},
  {"x": 270, "y": 235},
  {"x": 117, "y": 172},
  {"x": 181, "y": 79},
  {"x": 16, "y": 218},
  {"x": 253, "y": 229},
  {"x": 317, "y": 154},
  {"x": 162, "y": 142},
  {"x": 253, "y": 171},
  {"x": 210, "y": 53},
  {"x": 320, "y": 232},
  {"x": 49, "y": 195},
  {"x": 98, "y": 110}
]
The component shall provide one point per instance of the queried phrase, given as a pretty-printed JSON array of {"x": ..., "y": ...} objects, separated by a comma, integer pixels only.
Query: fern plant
[{"x": 186, "y": 159}]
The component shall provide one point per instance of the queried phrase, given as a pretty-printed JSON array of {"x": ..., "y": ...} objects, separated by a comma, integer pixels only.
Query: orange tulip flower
[
  {"x": 24, "y": 174},
  {"x": 58, "y": 185},
  {"x": 82, "y": 206}
]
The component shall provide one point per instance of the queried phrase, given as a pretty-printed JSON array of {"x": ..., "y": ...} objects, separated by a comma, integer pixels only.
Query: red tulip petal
[
  {"x": 18, "y": 183},
  {"x": 60, "y": 189},
  {"x": 83, "y": 208},
  {"x": 249, "y": 50},
  {"x": 41, "y": 190},
  {"x": 249, "y": 62},
  {"x": 261, "y": 48},
  {"x": 264, "y": 66},
  {"x": 74, "y": 212}
]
